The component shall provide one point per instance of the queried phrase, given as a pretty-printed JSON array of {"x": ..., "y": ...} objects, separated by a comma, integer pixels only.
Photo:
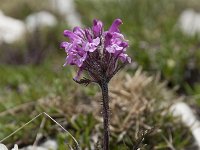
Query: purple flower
[
  {"x": 98, "y": 52},
  {"x": 115, "y": 26}
]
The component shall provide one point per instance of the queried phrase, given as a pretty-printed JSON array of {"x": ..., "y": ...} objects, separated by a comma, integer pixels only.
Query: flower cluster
[{"x": 100, "y": 53}]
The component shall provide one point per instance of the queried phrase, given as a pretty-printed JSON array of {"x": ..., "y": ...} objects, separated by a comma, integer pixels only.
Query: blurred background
[{"x": 164, "y": 38}]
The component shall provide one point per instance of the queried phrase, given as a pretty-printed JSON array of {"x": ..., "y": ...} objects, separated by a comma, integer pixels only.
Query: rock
[
  {"x": 48, "y": 145},
  {"x": 189, "y": 22},
  {"x": 182, "y": 110},
  {"x": 67, "y": 9},
  {"x": 34, "y": 148},
  {"x": 40, "y": 19},
  {"x": 15, "y": 147},
  {"x": 11, "y": 29},
  {"x": 3, "y": 147}
]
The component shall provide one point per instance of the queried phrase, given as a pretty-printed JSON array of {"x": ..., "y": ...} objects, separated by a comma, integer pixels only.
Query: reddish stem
[{"x": 105, "y": 97}]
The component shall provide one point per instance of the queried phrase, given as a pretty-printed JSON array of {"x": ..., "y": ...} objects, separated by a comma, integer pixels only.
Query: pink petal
[
  {"x": 108, "y": 38},
  {"x": 115, "y": 26},
  {"x": 78, "y": 31},
  {"x": 110, "y": 49},
  {"x": 96, "y": 41},
  {"x": 97, "y": 27},
  {"x": 73, "y": 37},
  {"x": 124, "y": 57},
  {"x": 64, "y": 44}
]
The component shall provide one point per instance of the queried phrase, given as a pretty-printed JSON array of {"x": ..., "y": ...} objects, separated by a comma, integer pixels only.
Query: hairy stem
[{"x": 104, "y": 89}]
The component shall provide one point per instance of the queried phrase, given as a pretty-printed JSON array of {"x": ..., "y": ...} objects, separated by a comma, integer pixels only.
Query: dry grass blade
[
  {"x": 141, "y": 138},
  {"x": 44, "y": 114}
]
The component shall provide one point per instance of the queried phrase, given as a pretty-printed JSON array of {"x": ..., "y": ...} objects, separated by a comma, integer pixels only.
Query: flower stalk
[
  {"x": 101, "y": 54},
  {"x": 105, "y": 113}
]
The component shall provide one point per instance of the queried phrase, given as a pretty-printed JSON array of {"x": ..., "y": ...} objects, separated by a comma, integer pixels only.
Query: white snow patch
[
  {"x": 188, "y": 118},
  {"x": 11, "y": 29},
  {"x": 40, "y": 19},
  {"x": 68, "y": 10},
  {"x": 189, "y": 22}
]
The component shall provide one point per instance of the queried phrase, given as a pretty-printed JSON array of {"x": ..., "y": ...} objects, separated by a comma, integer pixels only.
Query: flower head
[{"x": 98, "y": 52}]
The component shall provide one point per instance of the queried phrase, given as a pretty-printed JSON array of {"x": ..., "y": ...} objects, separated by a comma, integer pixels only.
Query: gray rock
[
  {"x": 11, "y": 29},
  {"x": 40, "y": 19},
  {"x": 189, "y": 22},
  {"x": 48, "y": 145}
]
